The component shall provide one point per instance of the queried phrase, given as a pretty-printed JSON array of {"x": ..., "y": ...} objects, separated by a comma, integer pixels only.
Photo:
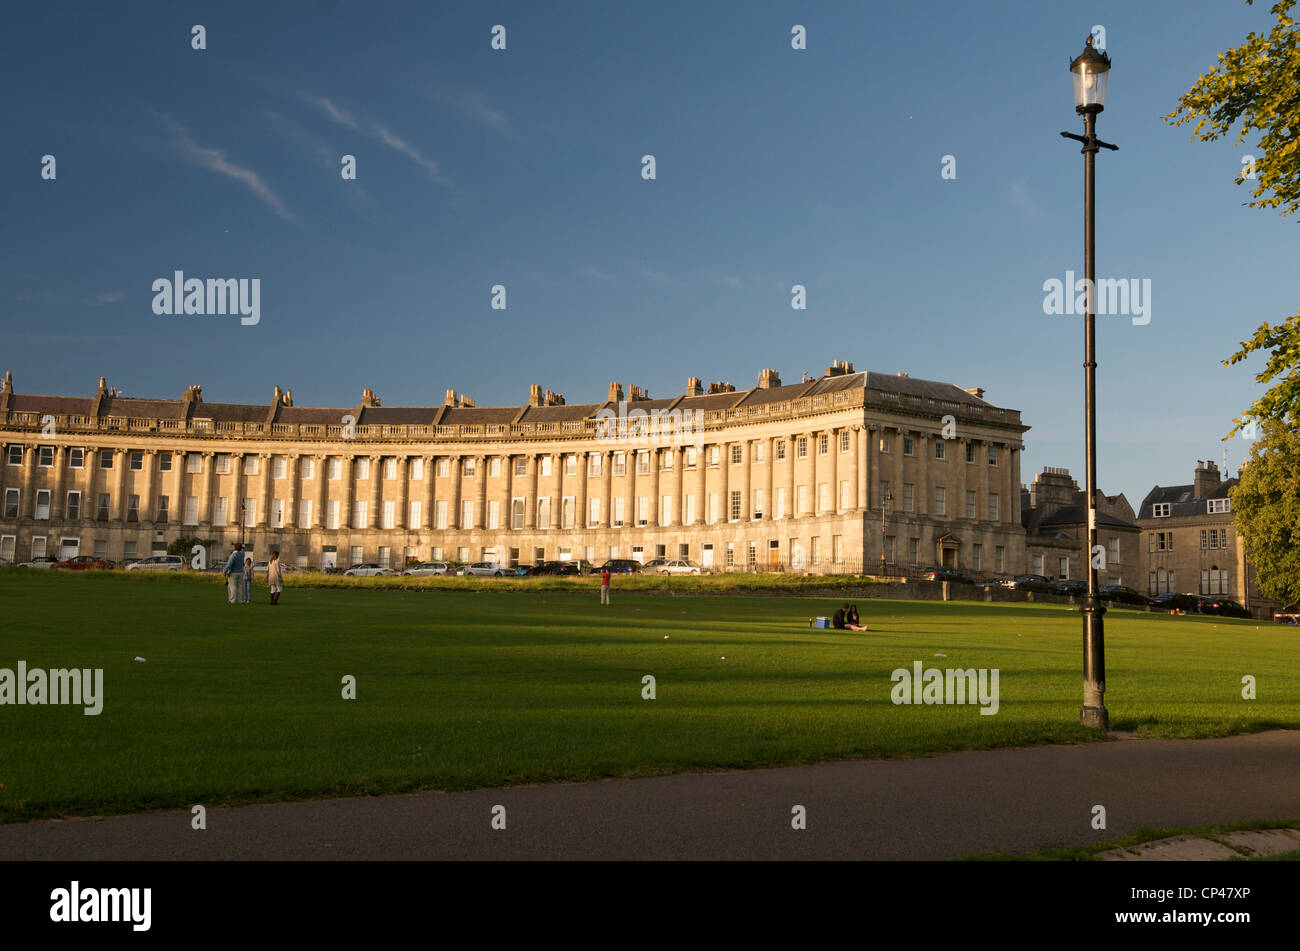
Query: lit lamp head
[{"x": 1089, "y": 70}]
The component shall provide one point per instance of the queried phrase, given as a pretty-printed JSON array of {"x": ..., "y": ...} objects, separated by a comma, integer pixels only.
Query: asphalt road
[{"x": 935, "y": 807}]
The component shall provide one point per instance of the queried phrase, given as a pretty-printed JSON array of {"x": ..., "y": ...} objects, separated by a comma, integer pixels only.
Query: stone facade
[
  {"x": 777, "y": 476},
  {"x": 1055, "y": 516}
]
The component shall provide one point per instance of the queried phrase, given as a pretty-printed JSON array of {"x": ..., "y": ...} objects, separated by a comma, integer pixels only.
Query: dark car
[
  {"x": 1290, "y": 614},
  {"x": 1223, "y": 607},
  {"x": 555, "y": 568},
  {"x": 946, "y": 574},
  {"x": 82, "y": 563},
  {"x": 1175, "y": 602},
  {"x": 620, "y": 566},
  {"x": 998, "y": 583},
  {"x": 1034, "y": 583},
  {"x": 1122, "y": 594},
  {"x": 1074, "y": 587}
]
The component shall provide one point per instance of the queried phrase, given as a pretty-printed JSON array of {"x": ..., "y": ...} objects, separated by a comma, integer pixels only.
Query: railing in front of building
[{"x": 707, "y": 420}]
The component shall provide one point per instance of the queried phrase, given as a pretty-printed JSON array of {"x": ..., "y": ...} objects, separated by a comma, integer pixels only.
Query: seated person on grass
[
  {"x": 851, "y": 620},
  {"x": 838, "y": 621}
]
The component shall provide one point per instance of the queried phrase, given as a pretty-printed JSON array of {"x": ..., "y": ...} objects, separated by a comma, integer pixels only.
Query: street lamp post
[
  {"x": 886, "y": 497},
  {"x": 1089, "y": 70}
]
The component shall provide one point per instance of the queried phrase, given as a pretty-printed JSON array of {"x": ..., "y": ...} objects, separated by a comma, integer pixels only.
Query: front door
[{"x": 329, "y": 559}]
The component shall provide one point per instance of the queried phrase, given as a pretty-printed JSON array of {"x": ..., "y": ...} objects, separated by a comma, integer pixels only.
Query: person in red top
[{"x": 604, "y": 586}]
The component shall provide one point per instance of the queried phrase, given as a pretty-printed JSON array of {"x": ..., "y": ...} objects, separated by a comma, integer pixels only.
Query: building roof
[{"x": 1181, "y": 499}]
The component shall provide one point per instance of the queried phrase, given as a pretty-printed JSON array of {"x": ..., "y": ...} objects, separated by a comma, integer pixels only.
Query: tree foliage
[
  {"x": 1255, "y": 89},
  {"x": 1266, "y": 503}
]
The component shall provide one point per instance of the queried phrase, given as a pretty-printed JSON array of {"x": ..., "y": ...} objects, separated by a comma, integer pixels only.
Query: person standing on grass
[
  {"x": 248, "y": 579},
  {"x": 604, "y": 586},
  {"x": 234, "y": 573},
  {"x": 273, "y": 577}
]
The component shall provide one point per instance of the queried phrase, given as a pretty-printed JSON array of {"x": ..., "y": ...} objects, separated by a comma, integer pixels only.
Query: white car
[
  {"x": 429, "y": 568},
  {"x": 679, "y": 568},
  {"x": 488, "y": 569},
  {"x": 40, "y": 561},
  {"x": 158, "y": 563},
  {"x": 368, "y": 571}
]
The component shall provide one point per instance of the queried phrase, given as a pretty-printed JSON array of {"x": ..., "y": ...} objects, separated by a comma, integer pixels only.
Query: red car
[{"x": 83, "y": 563}]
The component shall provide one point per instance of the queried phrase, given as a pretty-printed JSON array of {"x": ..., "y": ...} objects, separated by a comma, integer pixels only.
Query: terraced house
[{"x": 825, "y": 475}]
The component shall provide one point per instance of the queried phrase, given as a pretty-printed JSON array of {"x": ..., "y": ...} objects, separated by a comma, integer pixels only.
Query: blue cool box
[{"x": 821, "y": 622}]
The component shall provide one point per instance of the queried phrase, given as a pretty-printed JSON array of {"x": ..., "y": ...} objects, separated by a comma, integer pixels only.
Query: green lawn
[{"x": 459, "y": 689}]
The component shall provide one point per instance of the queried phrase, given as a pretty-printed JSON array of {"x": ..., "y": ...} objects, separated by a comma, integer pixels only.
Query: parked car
[
  {"x": 555, "y": 568},
  {"x": 82, "y": 563},
  {"x": 654, "y": 564},
  {"x": 40, "y": 561},
  {"x": 1073, "y": 587},
  {"x": 428, "y": 568},
  {"x": 1288, "y": 615},
  {"x": 1175, "y": 602},
  {"x": 943, "y": 573},
  {"x": 159, "y": 563},
  {"x": 620, "y": 566},
  {"x": 259, "y": 568},
  {"x": 368, "y": 570},
  {"x": 1034, "y": 583},
  {"x": 1008, "y": 583},
  {"x": 487, "y": 569},
  {"x": 1121, "y": 593},
  {"x": 682, "y": 567},
  {"x": 1223, "y": 607}
]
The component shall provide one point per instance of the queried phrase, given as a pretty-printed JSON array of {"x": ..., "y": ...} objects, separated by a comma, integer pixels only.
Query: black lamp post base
[{"x": 1096, "y": 717}]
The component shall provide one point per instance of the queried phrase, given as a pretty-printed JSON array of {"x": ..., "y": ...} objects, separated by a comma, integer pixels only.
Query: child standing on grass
[
  {"x": 273, "y": 577},
  {"x": 604, "y": 586},
  {"x": 248, "y": 579}
]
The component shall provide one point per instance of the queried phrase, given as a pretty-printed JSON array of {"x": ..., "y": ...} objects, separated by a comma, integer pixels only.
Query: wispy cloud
[
  {"x": 475, "y": 106},
  {"x": 732, "y": 281},
  {"x": 377, "y": 130},
  {"x": 1021, "y": 199},
  {"x": 109, "y": 297},
  {"x": 596, "y": 274},
  {"x": 215, "y": 160}
]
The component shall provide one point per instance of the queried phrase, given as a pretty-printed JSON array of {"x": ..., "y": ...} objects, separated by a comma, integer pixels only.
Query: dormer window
[
  {"x": 1160, "y": 510},
  {"x": 1218, "y": 506}
]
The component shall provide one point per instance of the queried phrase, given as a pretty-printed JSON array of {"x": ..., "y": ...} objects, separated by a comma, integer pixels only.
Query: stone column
[
  {"x": 792, "y": 489},
  {"x": 702, "y": 477},
  {"x": 455, "y": 469},
  {"x": 607, "y": 488},
  {"x": 508, "y": 474},
  {"x": 655, "y": 516},
  {"x": 724, "y": 488},
  {"x": 430, "y": 471},
  {"x": 268, "y": 490},
  {"x": 27, "y": 500},
  {"x": 348, "y": 476},
  {"x": 629, "y": 490},
  {"x": 746, "y": 481},
  {"x": 858, "y": 446},
  {"x": 897, "y": 487},
  {"x": 557, "y": 493},
  {"x": 376, "y": 490},
  {"x": 924, "y": 505},
  {"x": 833, "y": 452},
  {"x": 400, "y": 514},
  {"x": 291, "y": 493},
  {"x": 322, "y": 491},
  {"x": 580, "y": 502},
  {"x": 679, "y": 480},
  {"x": 57, "y": 496},
  {"x": 90, "y": 464},
  {"x": 480, "y": 501},
  {"x": 119, "y": 493},
  {"x": 530, "y": 503},
  {"x": 769, "y": 499}
]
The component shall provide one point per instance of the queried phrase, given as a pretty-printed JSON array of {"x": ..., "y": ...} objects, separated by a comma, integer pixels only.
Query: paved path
[{"x": 930, "y": 808}]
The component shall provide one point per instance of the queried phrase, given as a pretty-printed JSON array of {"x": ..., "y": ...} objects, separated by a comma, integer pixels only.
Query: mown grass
[{"x": 460, "y": 689}]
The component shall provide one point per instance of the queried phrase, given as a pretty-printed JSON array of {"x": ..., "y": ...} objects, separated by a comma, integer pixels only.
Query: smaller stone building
[{"x": 1054, "y": 513}]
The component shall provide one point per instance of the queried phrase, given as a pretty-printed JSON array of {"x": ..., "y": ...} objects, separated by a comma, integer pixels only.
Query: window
[
  {"x": 8, "y": 545},
  {"x": 886, "y": 443},
  {"x": 334, "y": 468},
  {"x": 711, "y": 511},
  {"x": 734, "y": 507},
  {"x": 845, "y": 487},
  {"x": 163, "y": 503},
  {"x": 1218, "y": 506},
  {"x": 543, "y": 513},
  {"x": 11, "y": 503},
  {"x": 914, "y": 550},
  {"x": 164, "y": 462},
  {"x": 250, "y": 465},
  {"x": 844, "y": 441},
  {"x": 909, "y": 446},
  {"x": 539, "y": 555},
  {"x": 440, "y": 515},
  {"x": 101, "y": 510},
  {"x": 970, "y": 503},
  {"x": 801, "y": 447},
  {"x": 1164, "y": 541},
  {"x": 909, "y": 497},
  {"x": 250, "y": 513},
  {"x": 38, "y": 546},
  {"x": 436, "y": 552},
  {"x": 802, "y": 500},
  {"x": 567, "y": 505},
  {"x": 73, "y": 509},
  {"x": 1223, "y": 538},
  {"x": 76, "y": 457},
  {"x": 279, "y": 467},
  {"x": 643, "y": 463},
  {"x": 516, "y": 513},
  {"x": 135, "y": 460},
  {"x": 886, "y": 496},
  {"x": 355, "y": 554},
  {"x": 385, "y": 556},
  {"x": 1160, "y": 510},
  {"x": 467, "y": 514},
  {"x": 823, "y": 445},
  {"x": 993, "y": 460},
  {"x": 970, "y": 452},
  {"x": 999, "y": 555},
  {"x": 192, "y": 510},
  {"x": 521, "y": 466},
  {"x": 570, "y": 465},
  {"x": 1062, "y": 568},
  {"x": 389, "y": 465},
  {"x": 823, "y": 496},
  {"x": 593, "y": 517},
  {"x": 493, "y": 513},
  {"x": 415, "y": 514},
  {"x": 940, "y": 449},
  {"x": 43, "y": 504},
  {"x": 665, "y": 510},
  {"x": 837, "y": 549},
  {"x": 1112, "y": 552},
  {"x": 758, "y": 503},
  {"x": 780, "y": 449},
  {"x": 620, "y": 464},
  {"x": 494, "y": 468},
  {"x": 760, "y": 452},
  {"x": 731, "y": 555},
  {"x": 690, "y": 509},
  {"x": 304, "y": 513},
  {"x": 889, "y": 549},
  {"x": 593, "y": 464},
  {"x": 666, "y": 459},
  {"x": 779, "y": 511},
  {"x": 388, "y": 514},
  {"x": 689, "y": 457},
  {"x": 977, "y": 556},
  {"x": 308, "y": 467},
  {"x": 277, "y": 513},
  {"x": 736, "y": 454},
  {"x": 751, "y": 556},
  {"x": 106, "y": 459},
  {"x": 713, "y": 455},
  {"x": 193, "y": 462},
  {"x": 940, "y": 499},
  {"x": 16, "y": 459},
  {"x": 993, "y": 511},
  {"x": 469, "y": 466},
  {"x": 332, "y": 514},
  {"x": 101, "y": 548},
  {"x": 1038, "y": 564},
  {"x": 545, "y": 470},
  {"x": 642, "y": 510},
  {"x": 814, "y": 550},
  {"x": 361, "y": 514},
  {"x": 45, "y": 457},
  {"x": 222, "y": 463},
  {"x": 1203, "y": 544}
]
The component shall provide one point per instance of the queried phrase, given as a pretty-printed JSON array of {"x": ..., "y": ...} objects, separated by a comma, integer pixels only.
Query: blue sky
[{"x": 523, "y": 167}]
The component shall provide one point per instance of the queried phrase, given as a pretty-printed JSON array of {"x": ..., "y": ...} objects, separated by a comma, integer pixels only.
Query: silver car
[
  {"x": 158, "y": 563},
  {"x": 429, "y": 568}
]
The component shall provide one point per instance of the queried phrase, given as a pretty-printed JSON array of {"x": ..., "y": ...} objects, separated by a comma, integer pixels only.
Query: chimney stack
[
  {"x": 615, "y": 392},
  {"x": 976, "y": 391},
  {"x": 768, "y": 379},
  {"x": 694, "y": 387},
  {"x": 449, "y": 399},
  {"x": 535, "y": 395},
  {"x": 1206, "y": 480}
]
